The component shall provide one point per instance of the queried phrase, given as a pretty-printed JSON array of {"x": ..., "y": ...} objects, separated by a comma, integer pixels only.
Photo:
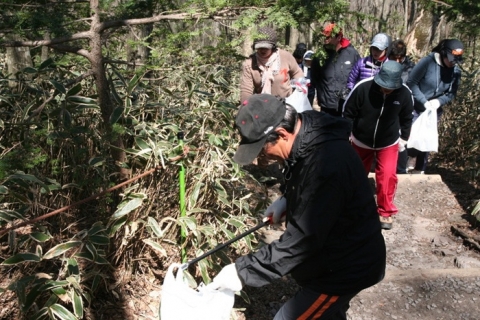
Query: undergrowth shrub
[
  {"x": 459, "y": 129},
  {"x": 59, "y": 264}
]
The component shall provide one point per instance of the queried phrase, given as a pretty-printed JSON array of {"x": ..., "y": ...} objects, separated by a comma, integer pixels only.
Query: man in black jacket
[
  {"x": 380, "y": 109},
  {"x": 333, "y": 245},
  {"x": 329, "y": 75}
]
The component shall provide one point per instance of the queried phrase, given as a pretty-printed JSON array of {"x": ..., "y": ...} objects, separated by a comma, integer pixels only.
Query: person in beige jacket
[{"x": 269, "y": 69}]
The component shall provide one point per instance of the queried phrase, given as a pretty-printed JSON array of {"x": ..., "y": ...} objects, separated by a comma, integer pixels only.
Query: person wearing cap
[
  {"x": 332, "y": 244},
  {"x": 269, "y": 69},
  {"x": 398, "y": 52},
  {"x": 329, "y": 77},
  {"x": 380, "y": 109},
  {"x": 371, "y": 64},
  {"x": 434, "y": 82},
  {"x": 307, "y": 71}
]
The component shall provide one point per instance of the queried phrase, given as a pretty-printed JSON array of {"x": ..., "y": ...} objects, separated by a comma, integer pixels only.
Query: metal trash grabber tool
[{"x": 265, "y": 222}]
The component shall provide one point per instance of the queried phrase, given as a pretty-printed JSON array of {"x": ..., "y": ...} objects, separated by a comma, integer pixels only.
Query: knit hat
[
  {"x": 259, "y": 115},
  {"x": 380, "y": 41},
  {"x": 390, "y": 75},
  {"x": 454, "y": 50},
  {"x": 267, "y": 38}
]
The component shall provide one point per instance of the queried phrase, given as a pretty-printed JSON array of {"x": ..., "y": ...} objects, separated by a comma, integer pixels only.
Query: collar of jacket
[{"x": 317, "y": 128}]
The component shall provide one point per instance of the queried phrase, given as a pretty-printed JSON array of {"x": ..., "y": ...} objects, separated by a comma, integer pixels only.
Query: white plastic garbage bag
[
  {"x": 179, "y": 301},
  {"x": 424, "y": 132},
  {"x": 299, "y": 97}
]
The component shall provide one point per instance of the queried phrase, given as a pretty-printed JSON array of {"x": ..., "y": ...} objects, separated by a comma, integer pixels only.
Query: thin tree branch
[
  {"x": 77, "y": 36},
  {"x": 82, "y": 52}
]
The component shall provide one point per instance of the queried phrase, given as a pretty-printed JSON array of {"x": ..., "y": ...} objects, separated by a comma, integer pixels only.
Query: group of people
[{"x": 333, "y": 245}]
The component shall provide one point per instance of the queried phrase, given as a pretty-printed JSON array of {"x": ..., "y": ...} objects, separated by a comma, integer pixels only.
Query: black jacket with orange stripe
[{"x": 333, "y": 238}]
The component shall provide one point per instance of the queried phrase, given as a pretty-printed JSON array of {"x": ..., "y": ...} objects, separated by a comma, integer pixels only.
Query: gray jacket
[{"x": 428, "y": 80}]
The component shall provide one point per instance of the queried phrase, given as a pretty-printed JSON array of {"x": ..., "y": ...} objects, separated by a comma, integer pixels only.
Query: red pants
[{"x": 385, "y": 176}]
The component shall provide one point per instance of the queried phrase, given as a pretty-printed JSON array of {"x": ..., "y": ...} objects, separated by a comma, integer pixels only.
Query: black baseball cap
[
  {"x": 454, "y": 50},
  {"x": 259, "y": 115}
]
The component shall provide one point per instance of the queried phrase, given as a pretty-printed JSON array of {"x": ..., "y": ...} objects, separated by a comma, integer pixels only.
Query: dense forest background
[{"x": 116, "y": 129}]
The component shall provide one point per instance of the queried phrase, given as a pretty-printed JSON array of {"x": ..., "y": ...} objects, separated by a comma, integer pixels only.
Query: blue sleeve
[{"x": 416, "y": 76}]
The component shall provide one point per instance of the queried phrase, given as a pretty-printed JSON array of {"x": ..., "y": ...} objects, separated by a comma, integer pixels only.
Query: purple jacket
[{"x": 364, "y": 68}]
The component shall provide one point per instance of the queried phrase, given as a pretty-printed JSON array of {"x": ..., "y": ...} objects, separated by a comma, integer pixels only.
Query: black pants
[
  {"x": 421, "y": 158},
  {"x": 402, "y": 162},
  {"x": 308, "y": 303}
]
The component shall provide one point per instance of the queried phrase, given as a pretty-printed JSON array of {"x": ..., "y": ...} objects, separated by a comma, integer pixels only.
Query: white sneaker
[{"x": 411, "y": 163}]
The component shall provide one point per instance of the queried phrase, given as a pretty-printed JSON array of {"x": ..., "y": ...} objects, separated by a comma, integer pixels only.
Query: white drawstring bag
[
  {"x": 179, "y": 301},
  {"x": 424, "y": 132}
]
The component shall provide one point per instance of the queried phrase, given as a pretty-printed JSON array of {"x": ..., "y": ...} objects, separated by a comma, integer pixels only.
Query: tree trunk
[
  {"x": 17, "y": 59},
  {"x": 117, "y": 149}
]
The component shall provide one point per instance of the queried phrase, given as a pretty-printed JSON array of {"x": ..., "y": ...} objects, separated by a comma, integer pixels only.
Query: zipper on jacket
[{"x": 378, "y": 120}]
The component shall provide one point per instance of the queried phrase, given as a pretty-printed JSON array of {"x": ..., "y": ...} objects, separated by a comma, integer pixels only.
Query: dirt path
[{"x": 431, "y": 274}]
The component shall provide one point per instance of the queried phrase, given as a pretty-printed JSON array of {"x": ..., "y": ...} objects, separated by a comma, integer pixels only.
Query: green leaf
[
  {"x": 66, "y": 118},
  {"x": 3, "y": 189},
  {"x": 97, "y": 161},
  {"x": 77, "y": 305},
  {"x": 82, "y": 100},
  {"x": 28, "y": 177},
  {"x": 45, "y": 63},
  {"x": 21, "y": 257},
  {"x": 76, "y": 89},
  {"x": 155, "y": 227},
  {"x": 85, "y": 254},
  {"x": 58, "y": 86},
  {"x": 127, "y": 208},
  {"x": 39, "y": 236},
  {"x": 29, "y": 70},
  {"x": 72, "y": 267},
  {"x": 189, "y": 222},
  {"x": 156, "y": 246},
  {"x": 132, "y": 83},
  {"x": 100, "y": 240},
  {"x": 41, "y": 313},
  {"x": 9, "y": 215},
  {"x": 61, "y": 248},
  {"x": 61, "y": 312},
  {"x": 31, "y": 297},
  {"x": 96, "y": 228},
  {"x": 116, "y": 225},
  {"x": 116, "y": 115},
  {"x": 90, "y": 247},
  {"x": 142, "y": 143}
]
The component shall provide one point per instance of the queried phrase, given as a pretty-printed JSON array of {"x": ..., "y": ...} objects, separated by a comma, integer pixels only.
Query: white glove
[
  {"x": 277, "y": 210},
  {"x": 402, "y": 144},
  {"x": 432, "y": 105},
  {"x": 227, "y": 278}
]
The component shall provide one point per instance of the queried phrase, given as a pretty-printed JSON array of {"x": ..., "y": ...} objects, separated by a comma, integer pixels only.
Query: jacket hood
[
  {"x": 344, "y": 43},
  {"x": 317, "y": 128}
]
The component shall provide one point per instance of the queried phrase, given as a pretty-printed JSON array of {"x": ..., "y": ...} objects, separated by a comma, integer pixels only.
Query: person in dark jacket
[
  {"x": 329, "y": 77},
  {"x": 380, "y": 109},
  {"x": 333, "y": 245},
  {"x": 370, "y": 65},
  {"x": 398, "y": 52},
  {"x": 434, "y": 82}
]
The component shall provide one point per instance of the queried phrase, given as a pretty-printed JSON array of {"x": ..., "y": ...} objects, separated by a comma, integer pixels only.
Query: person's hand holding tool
[{"x": 277, "y": 210}]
